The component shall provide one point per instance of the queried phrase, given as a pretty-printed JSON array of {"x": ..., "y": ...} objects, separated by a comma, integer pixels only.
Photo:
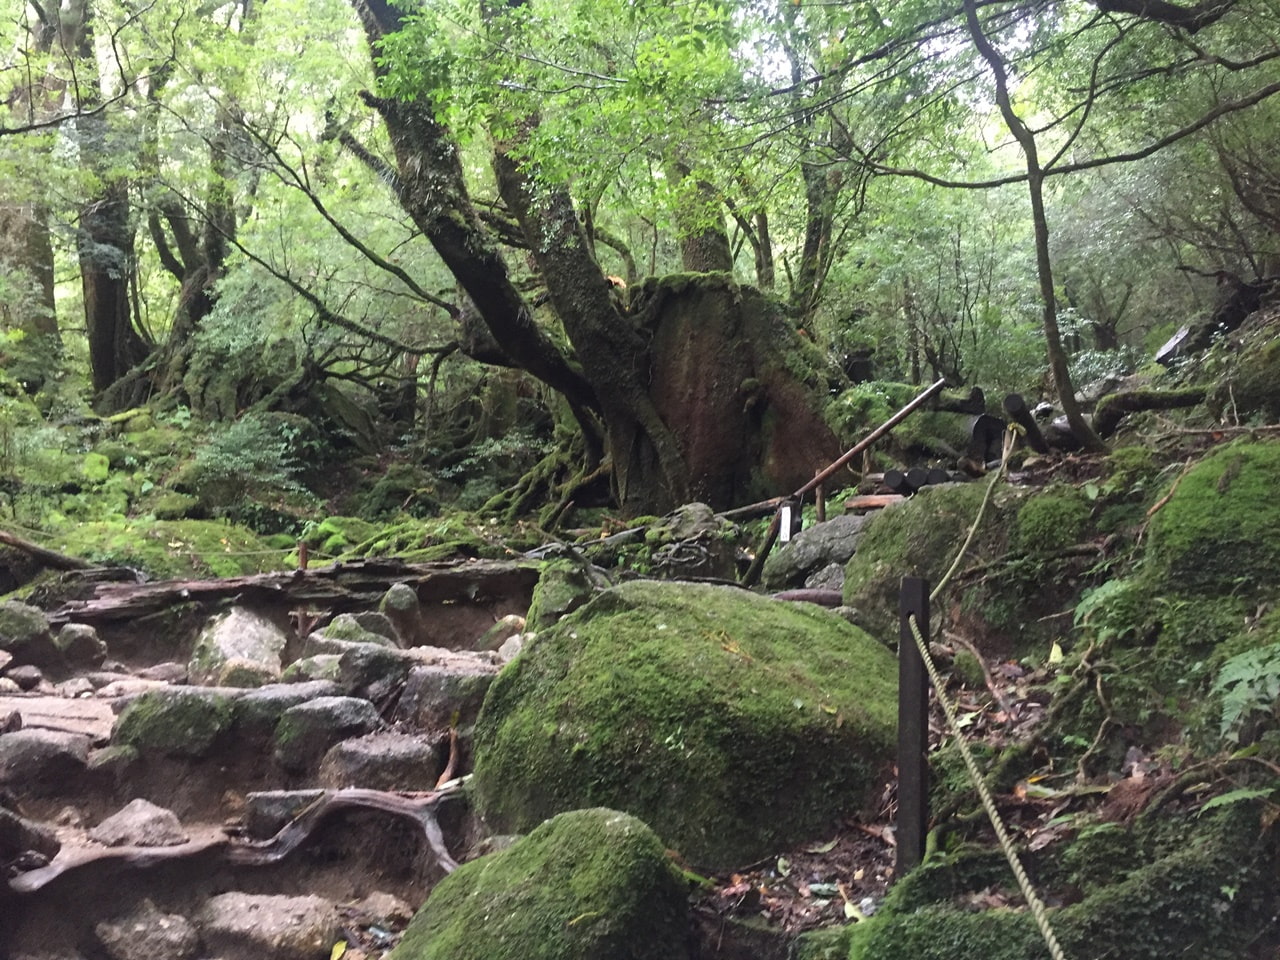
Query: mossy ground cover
[
  {"x": 586, "y": 885},
  {"x": 1199, "y": 889},
  {"x": 733, "y": 723}
]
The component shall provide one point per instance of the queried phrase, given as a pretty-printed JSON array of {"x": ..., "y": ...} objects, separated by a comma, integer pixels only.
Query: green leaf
[{"x": 1237, "y": 796}]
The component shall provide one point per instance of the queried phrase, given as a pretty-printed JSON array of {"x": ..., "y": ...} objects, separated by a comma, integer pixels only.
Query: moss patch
[
  {"x": 170, "y": 549},
  {"x": 1201, "y": 896},
  {"x": 1054, "y": 519},
  {"x": 918, "y": 537},
  {"x": 185, "y": 724},
  {"x": 1220, "y": 530},
  {"x": 688, "y": 706},
  {"x": 587, "y": 884}
]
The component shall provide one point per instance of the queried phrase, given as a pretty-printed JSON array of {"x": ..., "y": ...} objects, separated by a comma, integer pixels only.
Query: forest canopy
[{"x": 435, "y": 226}]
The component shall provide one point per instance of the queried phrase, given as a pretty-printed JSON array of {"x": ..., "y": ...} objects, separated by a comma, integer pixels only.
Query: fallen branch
[{"x": 50, "y": 558}]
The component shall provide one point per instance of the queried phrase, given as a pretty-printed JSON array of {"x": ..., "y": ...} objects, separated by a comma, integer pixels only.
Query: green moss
[
  {"x": 1053, "y": 519},
  {"x": 1204, "y": 895},
  {"x": 1131, "y": 467},
  {"x": 334, "y": 536},
  {"x": 587, "y": 885},
  {"x": 676, "y": 703},
  {"x": 185, "y": 724},
  {"x": 563, "y": 587},
  {"x": 918, "y": 537},
  {"x": 171, "y": 549},
  {"x": 1253, "y": 387},
  {"x": 95, "y": 467},
  {"x": 1219, "y": 532}
]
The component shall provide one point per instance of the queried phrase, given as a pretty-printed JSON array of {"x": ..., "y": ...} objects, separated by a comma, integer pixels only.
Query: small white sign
[{"x": 784, "y": 523}]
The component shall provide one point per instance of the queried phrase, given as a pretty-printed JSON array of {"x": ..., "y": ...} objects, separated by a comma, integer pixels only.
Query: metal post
[{"x": 913, "y": 727}]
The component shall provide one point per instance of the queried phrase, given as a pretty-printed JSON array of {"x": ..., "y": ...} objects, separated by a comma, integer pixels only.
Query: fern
[{"x": 1248, "y": 683}]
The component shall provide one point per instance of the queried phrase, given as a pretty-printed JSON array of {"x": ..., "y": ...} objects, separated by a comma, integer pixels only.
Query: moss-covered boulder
[
  {"x": 734, "y": 723},
  {"x": 1253, "y": 384},
  {"x": 1219, "y": 532},
  {"x": 586, "y": 885},
  {"x": 25, "y": 635},
  {"x": 183, "y": 723},
  {"x": 919, "y": 538}
]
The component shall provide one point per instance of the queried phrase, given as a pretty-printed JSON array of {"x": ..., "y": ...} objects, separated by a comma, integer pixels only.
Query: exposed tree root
[{"x": 419, "y": 808}]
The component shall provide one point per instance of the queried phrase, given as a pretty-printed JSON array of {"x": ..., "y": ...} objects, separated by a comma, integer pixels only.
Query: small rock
[
  {"x": 381, "y": 761},
  {"x": 140, "y": 824},
  {"x": 27, "y": 677},
  {"x": 512, "y": 646},
  {"x": 167, "y": 672},
  {"x": 833, "y": 541},
  {"x": 323, "y": 666},
  {"x": 75, "y": 687},
  {"x": 267, "y": 811},
  {"x": 8, "y": 686},
  {"x": 346, "y": 627},
  {"x": 258, "y": 711},
  {"x": 509, "y": 626},
  {"x": 830, "y": 577},
  {"x": 373, "y": 672},
  {"x": 80, "y": 645},
  {"x": 378, "y": 623},
  {"x": 149, "y": 934},
  {"x": 36, "y": 762},
  {"x": 69, "y": 816},
  {"x": 434, "y": 694},
  {"x": 242, "y": 672},
  {"x": 384, "y": 908},
  {"x": 25, "y": 635},
  {"x": 401, "y": 606},
  {"x": 306, "y": 731},
  {"x": 242, "y": 926},
  {"x": 10, "y": 721},
  {"x": 18, "y": 834},
  {"x": 177, "y": 721}
]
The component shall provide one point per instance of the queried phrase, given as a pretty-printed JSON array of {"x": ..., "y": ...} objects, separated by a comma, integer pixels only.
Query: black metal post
[{"x": 913, "y": 727}]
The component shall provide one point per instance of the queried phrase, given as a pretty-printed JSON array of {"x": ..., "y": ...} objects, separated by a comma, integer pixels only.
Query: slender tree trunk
[
  {"x": 105, "y": 238},
  {"x": 1044, "y": 265},
  {"x": 704, "y": 243}
]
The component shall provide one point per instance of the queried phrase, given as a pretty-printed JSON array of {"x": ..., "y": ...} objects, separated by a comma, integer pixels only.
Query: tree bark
[
  {"x": 105, "y": 238},
  {"x": 433, "y": 191}
]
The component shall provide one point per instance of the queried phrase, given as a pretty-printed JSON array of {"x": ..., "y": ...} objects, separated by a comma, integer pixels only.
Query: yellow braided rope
[{"x": 1036, "y": 905}]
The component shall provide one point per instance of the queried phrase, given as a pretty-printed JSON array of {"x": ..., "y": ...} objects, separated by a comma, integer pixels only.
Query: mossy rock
[
  {"x": 919, "y": 538},
  {"x": 1219, "y": 532},
  {"x": 174, "y": 723},
  {"x": 1253, "y": 386},
  {"x": 1208, "y": 896},
  {"x": 563, "y": 587},
  {"x": 1056, "y": 518},
  {"x": 689, "y": 706},
  {"x": 586, "y": 885}
]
